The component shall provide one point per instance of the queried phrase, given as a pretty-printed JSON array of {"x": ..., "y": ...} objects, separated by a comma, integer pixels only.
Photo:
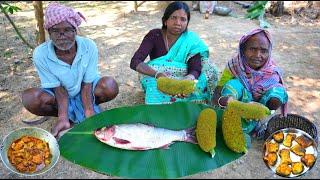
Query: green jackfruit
[
  {"x": 206, "y": 130},
  {"x": 231, "y": 122},
  {"x": 252, "y": 110},
  {"x": 174, "y": 87},
  {"x": 232, "y": 131}
]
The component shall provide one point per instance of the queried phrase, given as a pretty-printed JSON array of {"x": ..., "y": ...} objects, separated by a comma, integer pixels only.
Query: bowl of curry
[{"x": 29, "y": 151}]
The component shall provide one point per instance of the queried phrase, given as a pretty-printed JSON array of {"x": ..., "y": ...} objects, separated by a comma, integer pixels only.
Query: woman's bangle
[
  {"x": 155, "y": 76},
  {"x": 219, "y": 102}
]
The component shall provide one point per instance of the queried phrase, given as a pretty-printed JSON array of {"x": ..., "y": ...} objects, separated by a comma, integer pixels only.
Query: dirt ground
[{"x": 118, "y": 33}]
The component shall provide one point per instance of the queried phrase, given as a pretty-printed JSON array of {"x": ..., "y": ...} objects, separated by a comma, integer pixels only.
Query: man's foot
[{"x": 35, "y": 121}]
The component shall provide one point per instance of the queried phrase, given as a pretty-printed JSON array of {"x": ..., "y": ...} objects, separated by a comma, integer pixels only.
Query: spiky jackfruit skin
[
  {"x": 206, "y": 129},
  {"x": 232, "y": 131},
  {"x": 254, "y": 110},
  {"x": 174, "y": 86}
]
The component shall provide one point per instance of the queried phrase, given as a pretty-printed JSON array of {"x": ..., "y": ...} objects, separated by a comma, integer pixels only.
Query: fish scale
[{"x": 139, "y": 136}]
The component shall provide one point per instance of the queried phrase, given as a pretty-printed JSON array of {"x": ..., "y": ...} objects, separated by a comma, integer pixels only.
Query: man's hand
[
  {"x": 62, "y": 124},
  {"x": 87, "y": 99},
  {"x": 89, "y": 113}
]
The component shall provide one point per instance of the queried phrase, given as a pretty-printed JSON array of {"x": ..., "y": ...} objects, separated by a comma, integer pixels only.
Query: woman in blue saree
[{"x": 177, "y": 53}]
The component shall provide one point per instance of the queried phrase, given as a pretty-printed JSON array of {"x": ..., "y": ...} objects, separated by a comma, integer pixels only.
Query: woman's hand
[
  {"x": 189, "y": 77},
  {"x": 161, "y": 74},
  {"x": 216, "y": 95},
  {"x": 181, "y": 96}
]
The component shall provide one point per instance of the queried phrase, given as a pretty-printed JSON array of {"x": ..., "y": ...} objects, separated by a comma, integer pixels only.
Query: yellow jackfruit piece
[
  {"x": 206, "y": 130},
  {"x": 174, "y": 86},
  {"x": 252, "y": 110},
  {"x": 232, "y": 131}
]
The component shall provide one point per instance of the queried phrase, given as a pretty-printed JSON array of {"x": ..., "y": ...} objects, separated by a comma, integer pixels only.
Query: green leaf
[
  {"x": 81, "y": 147},
  {"x": 10, "y": 10},
  {"x": 16, "y": 8},
  {"x": 255, "y": 13},
  {"x": 258, "y": 4}
]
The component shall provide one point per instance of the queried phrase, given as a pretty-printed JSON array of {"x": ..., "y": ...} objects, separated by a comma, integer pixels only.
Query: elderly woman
[
  {"x": 174, "y": 52},
  {"x": 67, "y": 65},
  {"x": 252, "y": 75}
]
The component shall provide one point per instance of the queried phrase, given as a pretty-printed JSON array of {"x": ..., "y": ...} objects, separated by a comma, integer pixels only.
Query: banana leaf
[
  {"x": 81, "y": 147},
  {"x": 257, "y": 5}
]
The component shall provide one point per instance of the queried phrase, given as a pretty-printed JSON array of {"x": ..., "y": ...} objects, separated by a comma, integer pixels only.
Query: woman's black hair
[{"x": 172, "y": 7}]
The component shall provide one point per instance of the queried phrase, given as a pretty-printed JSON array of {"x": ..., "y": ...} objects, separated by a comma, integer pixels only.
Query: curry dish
[{"x": 29, "y": 154}]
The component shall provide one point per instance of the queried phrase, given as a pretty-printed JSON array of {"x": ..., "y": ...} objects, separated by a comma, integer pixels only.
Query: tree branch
[{"x": 15, "y": 27}]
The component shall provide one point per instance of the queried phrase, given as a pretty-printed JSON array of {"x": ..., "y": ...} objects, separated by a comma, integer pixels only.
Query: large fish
[{"x": 142, "y": 137}]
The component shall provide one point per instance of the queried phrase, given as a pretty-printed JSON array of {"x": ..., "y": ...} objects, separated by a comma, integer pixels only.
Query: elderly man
[{"x": 67, "y": 66}]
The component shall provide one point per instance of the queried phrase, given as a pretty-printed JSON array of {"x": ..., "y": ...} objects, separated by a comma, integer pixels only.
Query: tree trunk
[
  {"x": 277, "y": 8},
  {"x": 38, "y": 11}
]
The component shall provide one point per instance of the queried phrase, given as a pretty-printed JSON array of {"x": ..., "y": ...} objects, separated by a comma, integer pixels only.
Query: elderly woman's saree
[{"x": 174, "y": 63}]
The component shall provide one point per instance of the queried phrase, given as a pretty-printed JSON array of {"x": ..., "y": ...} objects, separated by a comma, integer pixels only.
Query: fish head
[{"x": 105, "y": 133}]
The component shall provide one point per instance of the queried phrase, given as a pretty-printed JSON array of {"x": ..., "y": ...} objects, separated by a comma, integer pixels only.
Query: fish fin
[
  {"x": 166, "y": 146},
  {"x": 121, "y": 141},
  {"x": 148, "y": 124},
  {"x": 191, "y": 135}
]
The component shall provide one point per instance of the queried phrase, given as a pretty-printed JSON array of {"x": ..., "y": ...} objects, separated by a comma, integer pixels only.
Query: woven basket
[{"x": 291, "y": 121}]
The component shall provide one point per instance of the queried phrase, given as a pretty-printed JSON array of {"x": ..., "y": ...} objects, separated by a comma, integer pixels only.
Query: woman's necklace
[{"x": 167, "y": 43}]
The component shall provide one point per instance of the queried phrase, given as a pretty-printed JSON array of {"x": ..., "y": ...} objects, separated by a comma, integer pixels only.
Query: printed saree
[{"x": 174, "y": 63}]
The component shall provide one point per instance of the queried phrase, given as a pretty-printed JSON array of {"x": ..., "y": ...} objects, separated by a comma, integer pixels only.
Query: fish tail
[{"x": 191, "y": 135}]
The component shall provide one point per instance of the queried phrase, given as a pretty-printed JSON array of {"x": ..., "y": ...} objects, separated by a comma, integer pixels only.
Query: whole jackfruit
[
  {"x": 232, "y": 131},
  {"x": 206, "y": 130},
  {"x": 231, "y": 122},
  {"x": 252, "y": 110},
  {"x": 174, "y": 86}
]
